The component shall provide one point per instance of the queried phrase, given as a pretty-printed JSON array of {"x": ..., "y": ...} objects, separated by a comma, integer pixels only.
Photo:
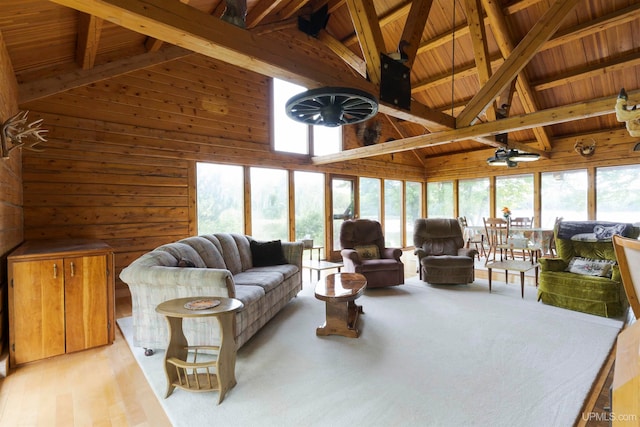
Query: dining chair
[
  {"x": 517, "y": 227},
  {"x": 472, "y": 236},
  {"x": 628, "y": 255},
  {"x": 521, "y": 222},
  {"x": 497, "y": 232}
]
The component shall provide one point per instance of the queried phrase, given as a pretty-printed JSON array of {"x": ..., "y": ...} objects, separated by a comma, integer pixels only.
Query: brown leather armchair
[
  {"x": 364, "y": 252},
  {"x": 442, "y": 256}
]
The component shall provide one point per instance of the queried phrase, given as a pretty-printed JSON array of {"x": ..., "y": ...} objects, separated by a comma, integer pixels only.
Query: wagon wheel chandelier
[{"x": 332, "y": 106}]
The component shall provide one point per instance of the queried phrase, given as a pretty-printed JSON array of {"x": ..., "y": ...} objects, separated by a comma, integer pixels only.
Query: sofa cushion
[
  {"x": 230, "y": 252},
  {"x": 287, "y": 270},
  {"x": 182, "y": 251},
  {"x": 267, "y": 253},
  {"x": 207, "y": 251},
  {"x": 590, "y": 267},
  {"x": 267, "y": 280},
  {"x": 184, "y": 262}
]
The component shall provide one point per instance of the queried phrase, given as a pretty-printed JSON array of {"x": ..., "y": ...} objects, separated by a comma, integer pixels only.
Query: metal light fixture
[
  {"x": 332, "y": 106},
  {"x": 510, "y": 158}
]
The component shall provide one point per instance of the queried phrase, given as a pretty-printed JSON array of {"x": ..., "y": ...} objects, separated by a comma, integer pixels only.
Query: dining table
[{"x": 537, "y": 237}]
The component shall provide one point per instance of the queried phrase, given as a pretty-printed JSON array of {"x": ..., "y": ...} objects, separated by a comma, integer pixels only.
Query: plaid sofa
[{"x": 221, "y": 265}]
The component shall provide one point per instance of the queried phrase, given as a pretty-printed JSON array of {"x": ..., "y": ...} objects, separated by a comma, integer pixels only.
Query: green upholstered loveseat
[{"x": 603, "y": 296}]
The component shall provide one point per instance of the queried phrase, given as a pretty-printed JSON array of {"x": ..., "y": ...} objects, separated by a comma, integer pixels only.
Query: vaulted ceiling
[{"x": 557, "y": 65}]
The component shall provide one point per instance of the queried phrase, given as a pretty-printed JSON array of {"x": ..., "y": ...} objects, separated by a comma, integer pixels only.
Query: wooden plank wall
[
  {"x": 10, "y": 185},
  {"x": 120, "y": 156}
]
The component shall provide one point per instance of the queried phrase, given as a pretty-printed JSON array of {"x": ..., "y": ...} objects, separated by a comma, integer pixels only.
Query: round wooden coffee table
[
  {"x": 339, "y": 292},
  {"x": 213, "y": 373}
]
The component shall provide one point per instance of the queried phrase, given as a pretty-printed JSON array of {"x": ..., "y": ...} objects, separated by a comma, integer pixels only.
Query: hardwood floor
[
  {"x": 97, "y": 387},
  {"x": 105, "y": 387}
]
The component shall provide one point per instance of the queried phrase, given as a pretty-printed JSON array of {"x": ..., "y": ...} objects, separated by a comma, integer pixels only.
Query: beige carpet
[{"x": 427, "y": 356}]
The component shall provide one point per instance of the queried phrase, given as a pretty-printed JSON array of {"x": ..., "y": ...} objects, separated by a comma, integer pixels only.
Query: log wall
[
  {"x": 10, "y": 186},
  {"x": 119, "y": 164}
]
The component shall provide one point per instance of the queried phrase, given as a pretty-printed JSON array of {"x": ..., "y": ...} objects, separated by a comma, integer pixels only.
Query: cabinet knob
[
  {"x": 55, "y": 270},
  {"x": 73, "y": 269}
]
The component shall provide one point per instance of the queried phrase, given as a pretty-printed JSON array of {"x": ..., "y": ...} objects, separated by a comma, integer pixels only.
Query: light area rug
[{"x": 427, "y": 356}]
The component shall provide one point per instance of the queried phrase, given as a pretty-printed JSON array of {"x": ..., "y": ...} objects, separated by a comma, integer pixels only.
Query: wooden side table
[{"x": 218, "y": 374}]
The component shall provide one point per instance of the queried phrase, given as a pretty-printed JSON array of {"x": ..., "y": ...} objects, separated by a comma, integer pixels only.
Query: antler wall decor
[
  {"x": 630, "y": 117},
  {"x": 17, "y": 132},
  {"x": 585, "y": 150}
]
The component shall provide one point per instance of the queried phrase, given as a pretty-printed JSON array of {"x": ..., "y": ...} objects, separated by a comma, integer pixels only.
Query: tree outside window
[
  {"x": 440, "y": 199},
  {"x": 269, "y": 204},
  {"x": 220, "y": 198}
]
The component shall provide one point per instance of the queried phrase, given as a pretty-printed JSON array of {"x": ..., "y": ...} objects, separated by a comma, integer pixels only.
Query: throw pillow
[
  {"x": 603, "y": 232},
  {"x": 186, "y": 263},
  {"x": 267, "y": 253},
  {"x": 368, "y": 251},
  {"x": 590, "y": 267},
  {"x": 585, "y": 237}
]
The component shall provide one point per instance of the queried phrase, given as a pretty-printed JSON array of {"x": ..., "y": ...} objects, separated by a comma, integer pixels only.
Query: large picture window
[
  {"x": 295, "y": 137},
  {"x": 564, "y": 195},
  {"x": 393, "y": 213},
  {"x": 220, "y": 195},
  {"x": 618, "y": 193},
  {"x": 473, "y": 200},
  {"x": 413, "y": 208},
  {"x": 309, "y": 195},
  {"x": 369, "y": 196},
  {"x": 440, "y": 199},
  {"x": 269, "y": 204},
  {"x": 516, "y": 193}
]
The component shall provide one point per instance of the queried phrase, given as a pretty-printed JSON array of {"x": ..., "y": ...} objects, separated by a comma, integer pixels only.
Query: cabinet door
[
  {"x": 38, "y": 301},
  {"x": 86, "y": 302}
]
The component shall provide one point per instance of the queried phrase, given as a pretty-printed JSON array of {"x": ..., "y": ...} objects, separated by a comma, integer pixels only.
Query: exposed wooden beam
[
  {"x": 506, "y": 45},
  {"x": 385, "y": 19},
  {"x": 562, "y": 114},
  {"x": 613, "y": 19},
  {"x": 89, "y": 30},
  {"x": 542, "y": 30},
  {"x": 50, "y": 86},
  {"x": 478, "y": 35},
  {"x": 600, "y": 69},
  {"x": 260, "y": 11},
  {"x": 365, "y": 21},
  {"x": 292, "y": 8},
  {"x": 347, "y": 55},
  {"x": 152, "y": 44},
  {"x": 268, "y": 55},
  {"x": 395, "y": 124},
  {"x": 413, "y": 29},
  {"x": 462, "y": 71}
]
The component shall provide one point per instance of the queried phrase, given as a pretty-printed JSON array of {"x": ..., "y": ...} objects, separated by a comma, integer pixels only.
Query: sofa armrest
[
  {"x": 552, "y": 264},
  {"x": 216, "y": 282},
  {"x": 351, "y": 255},
  {"x": 391, "y": 253},
  {"x": 293, "y": 252},
  {"x": 468, "y": 252}
]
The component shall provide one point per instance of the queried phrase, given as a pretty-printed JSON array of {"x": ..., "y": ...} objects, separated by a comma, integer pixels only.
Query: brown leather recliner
[
  {"x": 364, "y": 252},
  {"x": 442, "y": 257}
]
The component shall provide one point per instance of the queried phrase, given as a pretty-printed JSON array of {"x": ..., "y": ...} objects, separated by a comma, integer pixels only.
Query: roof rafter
[
  {"x": 89, "y": 31},
  {"x": 365, "y": 22},
  {"x": 550, "y": 116},
  {"x": 269, "y": 55},
  {"x": 517, "y": 60},
  {"x": 501, "y": 32},
  {"x": 413, "y": 29}
]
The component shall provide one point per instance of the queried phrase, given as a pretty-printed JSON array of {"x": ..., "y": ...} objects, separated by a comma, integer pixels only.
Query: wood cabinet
[{"x": 61, "y": 298}]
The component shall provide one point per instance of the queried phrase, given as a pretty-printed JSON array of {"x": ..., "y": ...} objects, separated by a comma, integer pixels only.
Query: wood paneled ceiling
[{"x": 557, "y": 64}]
